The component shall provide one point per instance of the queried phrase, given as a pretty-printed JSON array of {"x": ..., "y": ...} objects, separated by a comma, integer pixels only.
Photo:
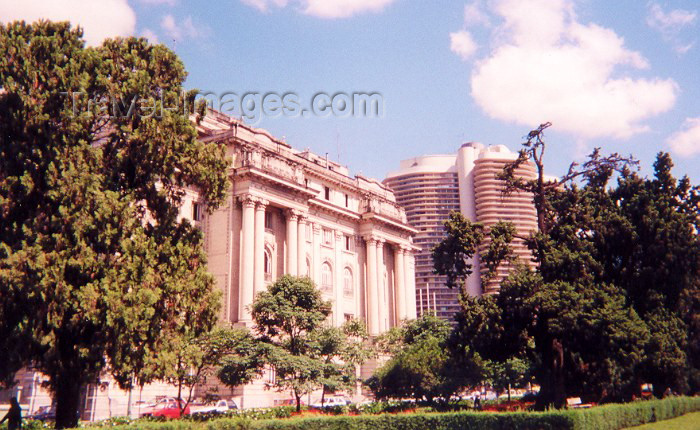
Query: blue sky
[{"x": 623, "y": 75}]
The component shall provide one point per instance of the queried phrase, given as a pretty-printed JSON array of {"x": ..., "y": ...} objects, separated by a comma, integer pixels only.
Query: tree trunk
[
  {"x": 298, "y": 397},
  {"x": 552, "y": 391},
  {"x": 67, "y": 395},
  {"x": 323, "y": 395}
]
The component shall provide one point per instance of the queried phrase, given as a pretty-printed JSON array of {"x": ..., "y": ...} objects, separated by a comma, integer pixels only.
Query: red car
[{"x": 168, "y": 408}]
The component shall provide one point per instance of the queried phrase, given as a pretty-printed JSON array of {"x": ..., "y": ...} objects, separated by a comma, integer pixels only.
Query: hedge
[{"x": 607, "y": 417}]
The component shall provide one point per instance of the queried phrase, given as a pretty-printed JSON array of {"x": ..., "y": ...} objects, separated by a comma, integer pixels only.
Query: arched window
[
  {"x": 326, "y": 277},
  {"x": 268, "y": 265},
  {"x": 348, "y": 287}
]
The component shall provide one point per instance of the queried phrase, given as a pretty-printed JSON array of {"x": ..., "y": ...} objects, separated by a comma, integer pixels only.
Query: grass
[{"x": 689, "y": 421}]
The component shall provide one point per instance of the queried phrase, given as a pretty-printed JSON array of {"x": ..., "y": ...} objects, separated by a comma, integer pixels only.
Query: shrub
[
  {"x": 607, "y": 417},
  {"x": 617, "y": 416}
]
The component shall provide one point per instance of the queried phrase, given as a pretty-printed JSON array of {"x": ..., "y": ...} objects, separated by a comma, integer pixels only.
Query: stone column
[
  {"x": 316, "y": 263},
  {"x": 382, "y": 305},
  {"x": 259, "y": 260},
  {"x": 371, "y": 287},
  {"x": 410, "y": 276},
  {"x": 246, "y": 291},
  {"x": 301, "y": 247},
  {"x": 400, "y": 284},
  {"x": 339, "y": 269},
  {"x": 292, "y": 235}
]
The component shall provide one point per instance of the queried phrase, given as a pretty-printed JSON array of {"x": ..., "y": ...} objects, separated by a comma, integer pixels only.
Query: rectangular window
[
  {"x": 268, "y": 219},
  {"x": 196, "y": 211},
  {"x": 326, "y": 193},
  {"x": 347, "y": 243},
  {"x": 347, "y": 201},
  {"x": 327, "y": 237}
]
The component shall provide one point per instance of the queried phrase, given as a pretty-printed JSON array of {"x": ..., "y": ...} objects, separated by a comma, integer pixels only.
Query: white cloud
[
  {"x": 670, "y": 24},
  {"x": 474, "y": 14},
  {"x": 159, "y": 2},
  {"x": 184, "y": 29},
  {"x": 462, "y": 43},
  {"x": 343, "y": 8},
  {"x": 546, "y": 66},
  {"x": 686, "y": 142},
  {"x": 265, "y": 5},
  {"x": 150, "y": 35},
  {"x": 328, "y": 9},
  {"x": 99, "y": 20}
]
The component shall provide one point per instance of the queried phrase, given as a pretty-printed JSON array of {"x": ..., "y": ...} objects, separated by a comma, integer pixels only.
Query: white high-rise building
[{"x": 430, "y": 187}]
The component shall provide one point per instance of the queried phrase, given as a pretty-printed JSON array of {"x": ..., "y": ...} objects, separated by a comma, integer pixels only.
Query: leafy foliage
[
  {"x": 608, "y": 417},
  {"x": 304, "y": 353},
  {"x": 422, "y": 366},
  {"x": 613, "y": 301},
  {"x": 451, "y": 255},
  {"x": 96, "y": 270},
  {"x": 232, "y": 353}
]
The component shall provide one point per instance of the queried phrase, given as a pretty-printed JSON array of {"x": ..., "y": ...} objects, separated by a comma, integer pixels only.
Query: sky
[{"x": 622, "y": 75}]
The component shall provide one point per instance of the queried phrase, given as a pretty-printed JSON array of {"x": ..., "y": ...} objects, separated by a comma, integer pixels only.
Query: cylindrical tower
[
  {"x": 493, "y": 205},
  {"x": 428, "y": 189}
]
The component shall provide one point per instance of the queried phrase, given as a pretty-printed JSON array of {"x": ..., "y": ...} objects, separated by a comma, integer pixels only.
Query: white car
[
  {"x": 331, "y": 401},
  {"x": 219, "y": 407}
]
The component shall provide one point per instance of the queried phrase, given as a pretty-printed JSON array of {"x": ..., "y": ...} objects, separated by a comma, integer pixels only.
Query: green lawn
[{"x": 689, "y": 421}]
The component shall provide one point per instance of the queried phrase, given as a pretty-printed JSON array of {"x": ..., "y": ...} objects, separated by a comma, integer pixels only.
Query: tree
[
  {"x": 285, "y": 317},
  {"x": 230, "y": 353},
  {"x": 341, "y": 349},
  {"x": 611, "y": 302},
  {"x": 96, "y": 271},
  {"x": 423, "y": 366},
  {"x": 461, "y": 242},
  {"x": 505, "y": 375}
]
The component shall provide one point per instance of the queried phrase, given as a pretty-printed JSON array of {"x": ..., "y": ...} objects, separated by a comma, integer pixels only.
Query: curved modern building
[{"x": 430, "y": 187}]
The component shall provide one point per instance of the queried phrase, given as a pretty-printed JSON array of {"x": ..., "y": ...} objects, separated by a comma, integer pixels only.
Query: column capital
[
  {"x": 248, "y": 200},
  {"x": 293, "y": 214},
  {"x": 261, "y": 204},
  {"x": 371, "y": 239},
  {"x": 339, "y": 235},
  {"x": 317, "y": 227}
]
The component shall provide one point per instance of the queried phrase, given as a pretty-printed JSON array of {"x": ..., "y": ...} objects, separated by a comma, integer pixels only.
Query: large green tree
[
  {"x": 97, "y": 271},
  {"x": 286, "y": 317},
  {"x": 611, "y": 303},
  {"x": 423, "y": 365},
  {"x": 341, "y": 349}
]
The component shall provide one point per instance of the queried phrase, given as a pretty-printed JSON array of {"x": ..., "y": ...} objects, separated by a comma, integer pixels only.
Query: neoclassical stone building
[{"x": 294, "y": 212}]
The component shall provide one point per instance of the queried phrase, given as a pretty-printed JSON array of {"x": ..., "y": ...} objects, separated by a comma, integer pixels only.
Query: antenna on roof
[{"x": 337, "y": 143}]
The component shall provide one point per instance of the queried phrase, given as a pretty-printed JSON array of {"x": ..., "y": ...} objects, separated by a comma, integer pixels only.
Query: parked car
[
  {"x": 330, "y": 402},
  {"x": 167, "y": 408},
  {"x": 219, "y": 407},
  {"x": 44, "y": 413},
  {"x": 288, "y": 402}
]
